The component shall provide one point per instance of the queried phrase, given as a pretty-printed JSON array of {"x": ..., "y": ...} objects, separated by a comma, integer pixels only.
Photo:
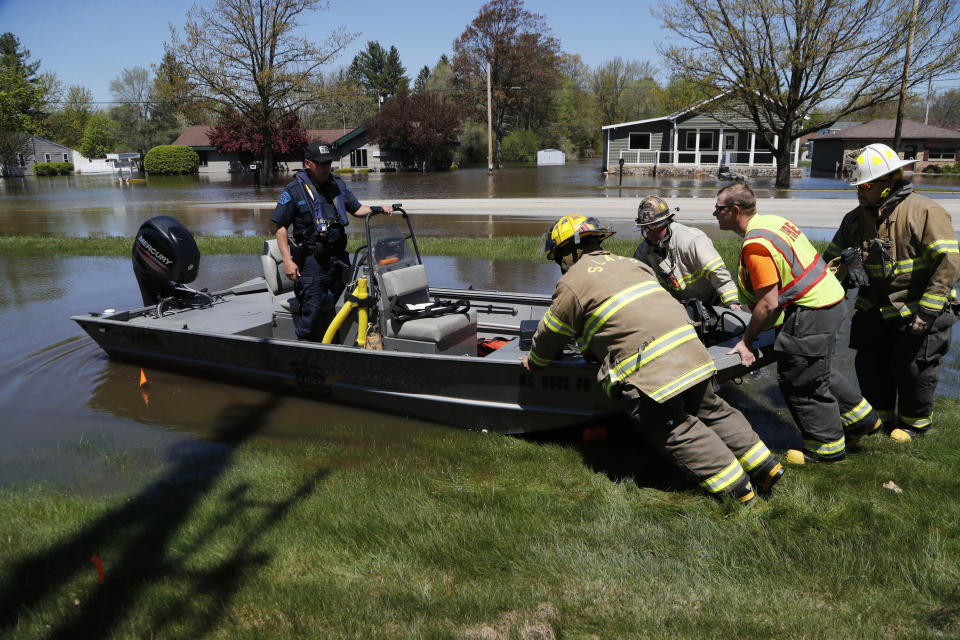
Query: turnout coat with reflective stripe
[
  {"x": 926, "y": 262},
  {"x": 696, "y": 268},
  {"x": 616, "y": 311},
  {"x": 804, "y": 277}
]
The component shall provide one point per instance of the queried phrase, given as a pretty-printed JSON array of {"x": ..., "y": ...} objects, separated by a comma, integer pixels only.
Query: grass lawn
[
  {"x": 452, "y": 534},
  {"x": 464, "y": 535}
]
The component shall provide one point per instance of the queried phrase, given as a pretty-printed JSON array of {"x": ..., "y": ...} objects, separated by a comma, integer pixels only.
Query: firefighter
[
  {"x": 788, "y": 286},
  {"x": 685, "y": 261},
  {"x": 651, "y": 361},
  {"x": 902, "y": 253}
]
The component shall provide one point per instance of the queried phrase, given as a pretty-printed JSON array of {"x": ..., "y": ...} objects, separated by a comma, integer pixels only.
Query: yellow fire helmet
[
  {"x": 572, "y": 228},
  {"x": 872, "y": 162}
]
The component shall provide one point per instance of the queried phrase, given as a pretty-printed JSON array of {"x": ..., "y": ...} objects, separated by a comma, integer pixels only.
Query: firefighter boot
[
  {"x": 742, "y": 491},
  {"x": 767, "y": 475},
  {"x": 797, "y": 456},
  {"x": 854, "y": 435},
  {"x": 900, "y": 434}
]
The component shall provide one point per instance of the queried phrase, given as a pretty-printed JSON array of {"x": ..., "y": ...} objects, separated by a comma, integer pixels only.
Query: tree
[
  {"x": 945, "y": 109},
  {"x": 420, "y": 85},
  {"x": 344, "y": 103},
  {"x": 235, "y": 135},
  {"x": 14, "y": 147},
  {"x": 779, "y": 60},
  {"x": 575, "y": 113},
  {"x": 174, "y": 92},
  {"x": 623, "y": 90},
  {"x": 99, "y": 137},
  {"x": 246, "y": 56},
  {"x": 380, "y": 71},
  {"x": 132, "y": 89},
  {"x": 523, "y": 57},
  {"x": 22, "y": 90},
  {"x": 66, "y": 124},
  {"x": 423, "y": 124}
]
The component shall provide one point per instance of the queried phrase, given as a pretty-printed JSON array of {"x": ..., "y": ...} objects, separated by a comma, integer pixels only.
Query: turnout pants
[
  {"x": 317, "y": 290},
  {"x": 898, "y": 371},
  {"x": 804, "y": 350},
  {"x": 704, "y": 436}
]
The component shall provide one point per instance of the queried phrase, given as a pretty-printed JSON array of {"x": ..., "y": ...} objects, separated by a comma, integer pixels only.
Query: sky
[{"x": 89, "y": 42}]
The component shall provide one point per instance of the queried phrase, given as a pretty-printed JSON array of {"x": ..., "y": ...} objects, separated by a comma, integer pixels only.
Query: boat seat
[
  {"x": 277, "y": 280},
  {"x": 409, "y": 286}
]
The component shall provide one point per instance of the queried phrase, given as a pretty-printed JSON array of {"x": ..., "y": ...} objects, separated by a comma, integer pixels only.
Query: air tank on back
[{"x": 165, "y": 256}]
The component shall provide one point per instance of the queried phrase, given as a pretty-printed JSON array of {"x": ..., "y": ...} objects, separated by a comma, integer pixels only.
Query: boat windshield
[{"x": 390, "y": 243}]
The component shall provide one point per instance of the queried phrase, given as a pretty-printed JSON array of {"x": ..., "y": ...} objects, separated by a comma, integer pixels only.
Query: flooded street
[
  {"x": 73, "y": 418},
  {"x": 211, "y": 204}
]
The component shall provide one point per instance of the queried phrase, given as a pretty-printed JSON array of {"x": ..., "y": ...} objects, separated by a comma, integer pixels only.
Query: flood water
[
  {"x": 210, "y": 204},
  {"x": 73, "y": 418}
]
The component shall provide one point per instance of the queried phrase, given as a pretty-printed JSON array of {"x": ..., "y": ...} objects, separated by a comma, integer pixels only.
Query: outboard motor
[{"x": 165, "y": 257}]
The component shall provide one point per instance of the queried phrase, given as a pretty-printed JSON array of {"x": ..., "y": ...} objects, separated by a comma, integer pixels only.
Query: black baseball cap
[{"x": 318, "y": 152}]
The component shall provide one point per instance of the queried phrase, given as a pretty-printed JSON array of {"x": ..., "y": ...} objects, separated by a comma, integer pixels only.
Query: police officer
[
  {"x": 788, "y": 285},
  {"x": 684, "y": 259},
  {"x": 906, "y": 266},
  {"x": 316, "y": 203},
  {"x": 652, "y": 361}
]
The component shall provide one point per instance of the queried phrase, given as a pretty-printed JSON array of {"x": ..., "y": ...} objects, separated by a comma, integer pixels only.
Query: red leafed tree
[
  {"x": 234, "y": 134},
  {"x": 424, "y": 124}
]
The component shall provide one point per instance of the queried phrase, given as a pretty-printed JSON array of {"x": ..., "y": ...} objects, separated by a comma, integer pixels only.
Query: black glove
[{"x": 856, "y": 275}]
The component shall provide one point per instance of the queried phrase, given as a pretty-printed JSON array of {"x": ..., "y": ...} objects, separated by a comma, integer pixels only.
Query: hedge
[
  {"x": 169, "y": 159},
  {"x": 53, "y": 168}
]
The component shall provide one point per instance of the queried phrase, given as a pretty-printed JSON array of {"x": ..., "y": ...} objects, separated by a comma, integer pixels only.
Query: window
[
  {"x": 943, "y": 154},
  {"x": 706, "y": 140},
  {"x": 203, "y": 158},
  {"x": 730, "y": 142},
  {"x": 639, "y": 141},
  {"x": 46, "y": 157},
  {"x": 20, "y": 160},
  {"x": 66, "y": 158},
  {"x": 358, "y": 158}
]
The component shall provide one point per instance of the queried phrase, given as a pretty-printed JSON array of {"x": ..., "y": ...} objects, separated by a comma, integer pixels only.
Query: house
[
  {"x": 693, "y": 141},
  {"x": 42, "y": 150},
  {"x": 933, "y": 147},
  {"x": 354, "y": 146}
]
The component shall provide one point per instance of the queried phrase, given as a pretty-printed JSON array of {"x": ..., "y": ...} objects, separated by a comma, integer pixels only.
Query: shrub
[
  {"x": 363, "y": 170},
  {"x": 171, "y": 160},
  {"x": 521, "y": 146},
  {"x": 344, "y": 170},
  {"x": 53, "y": 168}
]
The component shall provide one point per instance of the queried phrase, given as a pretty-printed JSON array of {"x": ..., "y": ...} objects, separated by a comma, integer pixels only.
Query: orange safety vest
[{"x": 804, "y": 277}]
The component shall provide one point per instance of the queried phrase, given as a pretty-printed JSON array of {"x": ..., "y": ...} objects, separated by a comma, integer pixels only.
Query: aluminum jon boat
[{"x": 394, "y": 343}]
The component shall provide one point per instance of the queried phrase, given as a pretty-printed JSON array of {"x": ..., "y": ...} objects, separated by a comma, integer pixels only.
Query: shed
[{"x": 551, "y": 156}]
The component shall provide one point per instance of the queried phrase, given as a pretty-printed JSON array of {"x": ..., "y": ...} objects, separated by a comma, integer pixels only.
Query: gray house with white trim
[{"x": 693, "y": 141}]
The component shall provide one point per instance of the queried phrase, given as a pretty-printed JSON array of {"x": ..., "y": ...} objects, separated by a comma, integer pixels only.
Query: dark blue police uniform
[{"x": 318, "y": 214}]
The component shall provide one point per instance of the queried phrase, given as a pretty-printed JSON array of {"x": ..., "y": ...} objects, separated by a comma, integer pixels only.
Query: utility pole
[
  {"x": 926, "y": 114},
  {"x": 489, "y": 124},
  {"x": 903, "y": 82}
]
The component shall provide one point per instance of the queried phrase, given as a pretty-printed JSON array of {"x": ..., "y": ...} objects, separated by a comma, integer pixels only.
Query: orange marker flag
[{"x": 143, "y": 388}]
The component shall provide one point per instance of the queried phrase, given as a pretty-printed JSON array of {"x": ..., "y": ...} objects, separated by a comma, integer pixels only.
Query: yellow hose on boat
[{"x": 360, "y": 293}]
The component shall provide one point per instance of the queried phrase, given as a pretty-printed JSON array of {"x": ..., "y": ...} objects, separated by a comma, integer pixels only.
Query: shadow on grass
[{"x": 140, "y": 536}]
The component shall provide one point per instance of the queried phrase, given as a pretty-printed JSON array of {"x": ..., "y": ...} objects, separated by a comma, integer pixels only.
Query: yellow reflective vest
[
  {"x": 616, "y": 311},
  {"x": 804, "y": 277}
]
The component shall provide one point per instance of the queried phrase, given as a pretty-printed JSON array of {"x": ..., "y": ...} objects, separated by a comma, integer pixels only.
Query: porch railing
[{"x": 700, "y": 158}]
